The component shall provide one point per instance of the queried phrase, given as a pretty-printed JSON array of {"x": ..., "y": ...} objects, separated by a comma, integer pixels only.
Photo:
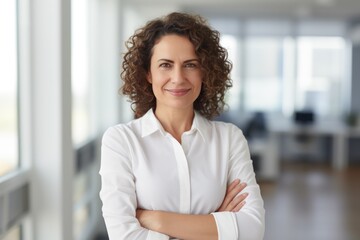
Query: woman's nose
[{"x": 178, "y": 75}]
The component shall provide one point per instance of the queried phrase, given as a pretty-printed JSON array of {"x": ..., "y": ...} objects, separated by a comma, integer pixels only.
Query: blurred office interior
[{"x": 295, "y": 95}]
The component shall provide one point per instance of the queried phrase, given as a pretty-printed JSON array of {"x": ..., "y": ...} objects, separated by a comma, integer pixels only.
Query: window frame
[{"x": 15, "y": 180}]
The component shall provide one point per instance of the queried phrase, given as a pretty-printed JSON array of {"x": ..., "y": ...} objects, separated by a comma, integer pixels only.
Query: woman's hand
[{"x": 232, "y": 202}]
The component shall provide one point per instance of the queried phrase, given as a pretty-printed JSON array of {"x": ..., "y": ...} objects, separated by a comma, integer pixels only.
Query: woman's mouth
[{"x": 178, "y": 92}]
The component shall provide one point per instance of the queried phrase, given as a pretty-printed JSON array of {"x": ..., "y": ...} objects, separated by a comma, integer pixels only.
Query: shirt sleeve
[
  {"x": 118, "y": 190},
  {"x": 249, "y": 222}
]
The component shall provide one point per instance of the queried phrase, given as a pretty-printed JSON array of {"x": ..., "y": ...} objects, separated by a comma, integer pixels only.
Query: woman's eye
[
  {"x": 190, "y": 65},
  {"x": 165, "y": 65}
]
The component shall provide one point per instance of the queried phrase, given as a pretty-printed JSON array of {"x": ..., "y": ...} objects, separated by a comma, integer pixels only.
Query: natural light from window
[
  {"x": 8, "y": 89},
  {"x": 80, "y": 69},
  {"x": 231, "y": 44},
  {"x": 321, "y": 74},
  {"x": 263, "y": 73},
  {"x": 282, "y": 74}
]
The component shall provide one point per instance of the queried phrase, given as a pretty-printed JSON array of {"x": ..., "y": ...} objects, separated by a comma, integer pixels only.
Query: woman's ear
[{"x": 148, "y": 77}]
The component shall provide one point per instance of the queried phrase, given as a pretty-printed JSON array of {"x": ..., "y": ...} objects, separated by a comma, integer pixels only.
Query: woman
[{"x": 172, "y": 172}]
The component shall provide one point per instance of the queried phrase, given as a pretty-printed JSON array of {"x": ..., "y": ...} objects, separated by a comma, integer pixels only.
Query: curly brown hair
[{"x": 213, "y": 59}]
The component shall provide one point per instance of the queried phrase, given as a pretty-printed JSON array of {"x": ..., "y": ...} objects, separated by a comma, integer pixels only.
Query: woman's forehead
[{"x": 174, "y": 45}]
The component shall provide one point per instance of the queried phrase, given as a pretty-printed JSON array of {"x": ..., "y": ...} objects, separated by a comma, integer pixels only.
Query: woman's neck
[{"x": 175, "y": 121}]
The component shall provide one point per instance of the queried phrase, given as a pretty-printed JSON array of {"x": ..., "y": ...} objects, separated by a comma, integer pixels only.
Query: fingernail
[{"x": 245, "y": 194}]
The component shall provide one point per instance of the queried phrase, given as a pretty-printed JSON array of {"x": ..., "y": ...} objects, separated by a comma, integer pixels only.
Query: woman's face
[{"x": 175, "y": 73}]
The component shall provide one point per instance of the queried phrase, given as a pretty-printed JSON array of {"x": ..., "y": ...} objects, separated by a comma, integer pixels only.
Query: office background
[{"x": 60, "y": 74}]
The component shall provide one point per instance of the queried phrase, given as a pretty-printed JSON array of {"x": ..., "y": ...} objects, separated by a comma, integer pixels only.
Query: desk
[{"x": 270, "y": 154}]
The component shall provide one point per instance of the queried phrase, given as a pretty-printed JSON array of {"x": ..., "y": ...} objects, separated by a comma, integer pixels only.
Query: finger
[
  {"x": 233, "y": 205},
  {"x": 234, "y": 192},
  {"x": 226, "y": 200},
  {"x": 232, "y": 185},
  {"x": 239, "y": 206},
  {"x": 231, "y": 195}
]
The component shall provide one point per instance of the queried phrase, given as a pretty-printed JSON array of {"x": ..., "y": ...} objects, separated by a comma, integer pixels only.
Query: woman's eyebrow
[
  {"x": 165, "y": 60},
  {"x": 192, "y": 60},
  {"x": 171, "y": 61}
]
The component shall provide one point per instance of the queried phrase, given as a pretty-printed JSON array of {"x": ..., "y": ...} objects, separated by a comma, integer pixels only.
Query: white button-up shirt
[{"x": 143, "y": 166}]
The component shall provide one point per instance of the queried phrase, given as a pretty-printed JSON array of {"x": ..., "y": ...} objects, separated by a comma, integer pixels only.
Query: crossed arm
[
  {"x": 123, "y": 220},
  {"x": 190, "y": 226}
]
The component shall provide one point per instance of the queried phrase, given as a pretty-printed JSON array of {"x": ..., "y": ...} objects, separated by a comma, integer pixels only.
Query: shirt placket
[{"x": 184, "y": 177}]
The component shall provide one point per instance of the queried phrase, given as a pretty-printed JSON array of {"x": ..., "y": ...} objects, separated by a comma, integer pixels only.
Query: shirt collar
[
  {"x": 150, "y": 124},
  {"x": 200, "y": 124}
]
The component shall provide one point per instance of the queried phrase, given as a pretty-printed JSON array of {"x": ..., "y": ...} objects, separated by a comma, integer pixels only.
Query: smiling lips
[{"x": 178, "y": 92}]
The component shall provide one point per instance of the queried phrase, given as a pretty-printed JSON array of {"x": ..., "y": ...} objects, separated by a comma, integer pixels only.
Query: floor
[{"x": 313, "y": 202}]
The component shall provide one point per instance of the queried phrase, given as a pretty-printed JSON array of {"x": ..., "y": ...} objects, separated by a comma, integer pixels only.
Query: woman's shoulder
[
  {"x": 221, "y": 129},
  {"x": 120, "y": 130},
  {"x": 225, "y": 126}
]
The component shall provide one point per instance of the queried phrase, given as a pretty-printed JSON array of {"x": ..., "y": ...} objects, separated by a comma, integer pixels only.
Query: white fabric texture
[{"x": 143, "y": 166}]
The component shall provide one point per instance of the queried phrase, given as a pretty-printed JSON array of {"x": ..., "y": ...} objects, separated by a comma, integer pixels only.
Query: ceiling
[{"x": 348, "y": 10}]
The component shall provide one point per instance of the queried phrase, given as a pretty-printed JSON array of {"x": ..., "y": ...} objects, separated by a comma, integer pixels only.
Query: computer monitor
[{"x": 304, "y": 117}]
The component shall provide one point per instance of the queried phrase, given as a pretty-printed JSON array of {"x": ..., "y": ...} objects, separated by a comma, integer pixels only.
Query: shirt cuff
[
  {"x": 156, "y": 236},
  {"x": 226, "y": 225}
]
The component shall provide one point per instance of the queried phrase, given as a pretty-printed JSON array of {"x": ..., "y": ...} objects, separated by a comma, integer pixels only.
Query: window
[
  {"x": 231, "y": 44},
  {"x": 81, "y": 101},
  {"x": 283, "y": 66},
  {"x": 263, "y": 73},
  {"x": 320, "y": 74},
  {"x": 9, "y": 158},
  {"x": 83, "y": 129},
  {"x": 82, "y": 197}
]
